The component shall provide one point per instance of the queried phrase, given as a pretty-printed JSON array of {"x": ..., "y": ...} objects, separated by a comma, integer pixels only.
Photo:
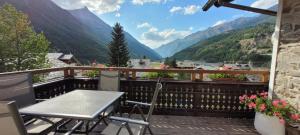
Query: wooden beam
[{"x": 246, "y": 8}]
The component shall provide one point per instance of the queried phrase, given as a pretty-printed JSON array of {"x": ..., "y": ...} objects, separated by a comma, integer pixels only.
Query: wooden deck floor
[{"x": 189, "y": 125}]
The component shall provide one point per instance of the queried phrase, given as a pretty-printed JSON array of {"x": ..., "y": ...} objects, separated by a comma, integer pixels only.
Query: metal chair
[
  {"x": 129, "y": 126},
  {"x": 11, "y": 123},
  {"x": 18, "y": 87},
  {"x": 109, "y": 81}
]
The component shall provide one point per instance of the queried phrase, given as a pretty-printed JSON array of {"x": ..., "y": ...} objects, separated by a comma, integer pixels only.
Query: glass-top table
[{"x": 78, "y": 104}]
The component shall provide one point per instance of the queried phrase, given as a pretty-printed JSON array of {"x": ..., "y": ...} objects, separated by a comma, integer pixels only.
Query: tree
[
  {"x": 167, "y": 61},
  {"x": 20, "y": 47},
  {"x": 173, "y": 63},
  {"x": 118, "y": 51}
]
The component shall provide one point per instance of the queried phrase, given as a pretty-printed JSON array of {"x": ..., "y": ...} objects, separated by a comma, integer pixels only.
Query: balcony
[{"x": 190, "y": 106}]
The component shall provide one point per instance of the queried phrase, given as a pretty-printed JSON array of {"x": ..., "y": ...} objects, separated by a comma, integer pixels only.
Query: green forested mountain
[
  {"x": 248, "y": 44},
  {"x": 175, "y": 46}
]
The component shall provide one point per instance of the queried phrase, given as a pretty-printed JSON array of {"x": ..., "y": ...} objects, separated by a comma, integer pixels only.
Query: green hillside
[{"x": 248, "y": 44}]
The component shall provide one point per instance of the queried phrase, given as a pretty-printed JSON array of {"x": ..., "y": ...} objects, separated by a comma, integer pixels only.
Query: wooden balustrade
[
  {"x": 205, "y": 98},
  {"x": 176, "y": 98}
]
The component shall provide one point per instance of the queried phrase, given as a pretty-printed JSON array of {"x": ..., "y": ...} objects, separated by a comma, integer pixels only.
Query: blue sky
[{"x": 157, "y": 22}]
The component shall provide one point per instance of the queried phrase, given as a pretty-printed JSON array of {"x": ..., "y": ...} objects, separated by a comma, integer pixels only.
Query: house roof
[{"x": 67, "y": 57}]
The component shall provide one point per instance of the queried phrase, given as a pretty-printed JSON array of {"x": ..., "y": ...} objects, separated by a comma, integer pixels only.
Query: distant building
[
  {"x": 139, "y": 63},
  {"x": 186, "y": 64},
  {"x": 62, "y": 60},
  {"x": 235, "y": 67}
]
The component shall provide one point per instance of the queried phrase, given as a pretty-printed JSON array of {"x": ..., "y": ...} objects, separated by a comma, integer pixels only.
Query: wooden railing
[
  {"x": 189, "y": 97},
  {"x": 176, "y": 98}
]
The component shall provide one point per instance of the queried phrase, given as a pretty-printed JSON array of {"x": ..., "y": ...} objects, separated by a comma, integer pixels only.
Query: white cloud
[
  {"x": 219, "y": 22},
  {"x": 143, "y": 25},
  {"x": 191, "y": 28},
  {"x": 175, "y": 9},
  {"x": 188, "y": 10},
  {"x": 154, "y": 37},
  {"x": 142, "y": 2},
  {"x": 264, "y": 3},
  {"x": 97, "y": 6},
  {"x": 192, "y": 9},
  {"x": 118, "y": 15}
]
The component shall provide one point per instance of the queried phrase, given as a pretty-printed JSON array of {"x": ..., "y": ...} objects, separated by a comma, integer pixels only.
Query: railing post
[
  {"x": 127, "y": 74},
  {"x": 201, "y": 75},
  {"x": 193, "y": 76},
  {"x": 72, "y": 73},
  {"x": 66, "y": 73},
  {"x": 133, "y": 75},
  {"x": 265, "y": 78}
]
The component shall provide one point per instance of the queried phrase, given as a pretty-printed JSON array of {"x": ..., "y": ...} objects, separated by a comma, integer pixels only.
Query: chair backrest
[
  {"x": 11, "y": 122},
  {"x": 158, "y": 88},
  {"x": 17, "y": 87},
  {"x": 109, "y": 81}
]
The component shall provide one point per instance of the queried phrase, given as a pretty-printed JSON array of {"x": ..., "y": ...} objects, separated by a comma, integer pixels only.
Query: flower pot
[{"x": 268, "y": 125}]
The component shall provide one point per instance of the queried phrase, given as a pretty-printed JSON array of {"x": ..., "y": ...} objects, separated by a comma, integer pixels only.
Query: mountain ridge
[
  {"x": 67, "y": 34},
  {"x": 248, "y": 44},
  {"x": 175, "y": 46}
]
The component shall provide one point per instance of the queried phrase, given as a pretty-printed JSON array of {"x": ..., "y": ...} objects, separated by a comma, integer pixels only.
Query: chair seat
[
  {"x": 39, "y": 127},
  {"x": 114, "y": 126}
]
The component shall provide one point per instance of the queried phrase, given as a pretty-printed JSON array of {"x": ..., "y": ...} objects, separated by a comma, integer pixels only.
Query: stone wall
[{"x": 287, "y": 70}]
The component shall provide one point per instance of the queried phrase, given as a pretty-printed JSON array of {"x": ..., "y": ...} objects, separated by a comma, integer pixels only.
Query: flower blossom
[
  {"x": 262, "y": 107},
  {"x": 251, "y": 105},
  {"x": 275, "y": 103},
  {"x": 281, "y": 120},
  {"x": 295, "y": 117},
  {"x": 277, "y": 114},
  {"x": 253, "y": 97},
  {"x": 242, "y": 98}
]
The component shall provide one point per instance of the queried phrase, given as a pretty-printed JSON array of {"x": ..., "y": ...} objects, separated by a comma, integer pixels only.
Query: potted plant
[{"x": 271, "y": 115}]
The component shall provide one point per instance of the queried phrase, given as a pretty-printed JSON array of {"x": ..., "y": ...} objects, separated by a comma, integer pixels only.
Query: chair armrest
[
  {"x": 137, "y": 103},
  {"x": 133, "y": 121}
]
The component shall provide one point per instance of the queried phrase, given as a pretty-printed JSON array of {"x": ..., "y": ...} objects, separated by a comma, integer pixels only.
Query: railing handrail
[
  {"x": 172, "y": 70},
  {"x": 69, "y": 71}
]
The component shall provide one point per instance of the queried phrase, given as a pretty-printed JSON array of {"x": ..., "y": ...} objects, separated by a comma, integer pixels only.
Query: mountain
[
  {"x": 99, "y": 28},
  {"x": 173, "y": 47},
  {"x": 68, "y": 34},
  {"x": 248, "y": 44}
]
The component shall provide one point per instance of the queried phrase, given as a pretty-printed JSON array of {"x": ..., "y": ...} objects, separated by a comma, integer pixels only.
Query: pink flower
[
  {"x": 275, "y": 103},
  {"x": 283, "y": 102},
  {"x": 277, "y": 114},
  {"x": 262, "y": 107},
  {"x": 282, "y": 121},
  {"x": 253, "y": 97},
  {"x": 242, "y": 98},
  {"x": 295, "y": 117},
  {"x": 251, "y": 105}
]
